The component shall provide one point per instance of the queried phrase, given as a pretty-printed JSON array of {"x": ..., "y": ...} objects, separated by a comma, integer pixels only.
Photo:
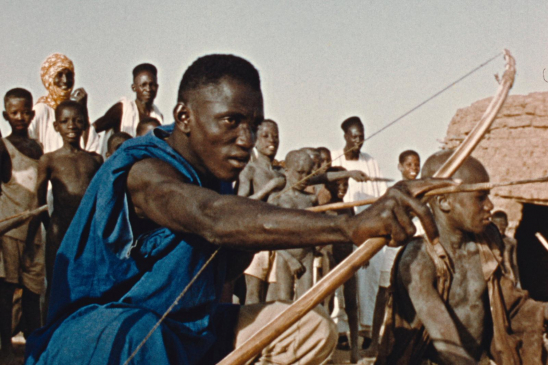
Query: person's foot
[{"x": 343, "y": 343}]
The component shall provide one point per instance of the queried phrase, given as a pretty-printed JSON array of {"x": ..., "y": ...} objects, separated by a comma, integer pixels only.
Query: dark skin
[
  {"x": 145, "y": 85},
  {"x": 354, "y": 137},
  {"x": 510, "y": 248},
  {"x": 70, "y": 170},
  {"x": 294, "y": 266},
  {"x": 458, "y": 327},
  {"x": 215, "y": 131},
  {"x": 338, "y": 190},
  {"x": 18, "y": 113}
]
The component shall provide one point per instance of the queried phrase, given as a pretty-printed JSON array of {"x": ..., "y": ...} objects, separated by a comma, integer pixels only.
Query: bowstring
[
  {"x": 358, "y": 146},
  {"x": 306, "y": 178}
]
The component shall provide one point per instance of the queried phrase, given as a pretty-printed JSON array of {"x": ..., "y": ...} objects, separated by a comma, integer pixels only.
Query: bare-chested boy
[
  {"x": 257, "y": 180},
  {"x": 500, "y": 219},
  {"x": 294, "y": 266},
  {"x": 22, "y": 263},
  {"x": 70, "y": 170},
  {"x": 454, "y": 303}
]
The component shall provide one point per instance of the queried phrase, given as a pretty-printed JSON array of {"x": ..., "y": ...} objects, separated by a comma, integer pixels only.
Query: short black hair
[
  {"x": 406, "y": 153},
  {"x": 499, "y": 214},
  {"x": 18, "y": 93},
  {"x": 71, "y": 104},
  {"x": 145, "y": 122},
  {"x": 212, "y": 68},
  {"x": 117, "y": 137},
  {"x": 350, "y": 122},
  {"x": 149, "y": 67},
  {"x": 268, "y": 121}
]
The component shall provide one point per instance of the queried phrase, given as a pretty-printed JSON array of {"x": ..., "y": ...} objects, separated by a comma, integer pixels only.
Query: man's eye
[{"x": 231, "y": 120}]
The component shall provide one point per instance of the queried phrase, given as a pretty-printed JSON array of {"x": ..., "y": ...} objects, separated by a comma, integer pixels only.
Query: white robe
[
  {"x": 368, "y": 278},
  {"x": 41, "y": 128},
  {"x": 130, "y": 120}
]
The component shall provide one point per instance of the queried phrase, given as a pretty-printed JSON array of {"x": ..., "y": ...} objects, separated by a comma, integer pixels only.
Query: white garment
[
  {"x": 368, "y": 279},
  {"x": 130, "y": 120},
  {"x": 41, "y": 128}
]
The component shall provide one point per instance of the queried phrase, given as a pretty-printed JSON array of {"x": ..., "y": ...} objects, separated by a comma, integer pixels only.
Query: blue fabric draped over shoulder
[{"x": 109, "y": 288}]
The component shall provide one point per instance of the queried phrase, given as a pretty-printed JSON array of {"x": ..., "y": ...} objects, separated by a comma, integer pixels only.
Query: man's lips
[{"x": 239, "y": 162}]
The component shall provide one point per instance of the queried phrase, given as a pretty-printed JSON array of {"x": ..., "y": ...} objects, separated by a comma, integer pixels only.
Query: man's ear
[
  {"x": 5, "y": 114},
  {"x": 400, "y": 167},
  {"x": 133, "y": 87},
  {"x": 55, "y": 126},
  {"x": 181, "y": 115},
  {"x": 444, "y": 203}
]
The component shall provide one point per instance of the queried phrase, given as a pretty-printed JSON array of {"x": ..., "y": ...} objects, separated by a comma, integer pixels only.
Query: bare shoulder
[
  {"x": 415, "y": 262},
  {"x": 97, "y": 157},
  {"x": 152, "y": 171},
  {"x": 247, "y": 172}
]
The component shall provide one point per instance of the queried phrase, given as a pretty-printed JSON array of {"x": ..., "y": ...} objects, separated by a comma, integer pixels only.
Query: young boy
[
  {"x": 510, "y": 258},
  {"x": 70, "y": 170},
  {"x": 409, "y": 165},
  {"x": 115, "y": 141},
  {"x": 294, "y": 266},
  {"x": 22, "y": 262},
  {"x": 147, "y": 124},
  {"x": 453, "y": 302}
]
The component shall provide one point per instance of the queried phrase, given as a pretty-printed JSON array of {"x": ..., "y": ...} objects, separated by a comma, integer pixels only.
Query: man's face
[
  {"x": 18, "y": 113},
  {"x": 71, "y": 124},
  {"x": 267, "y": 139},
  {"x": 342, "y": 188},
  {"x": 64, "y": 79},
  {"x": 471, "y": 211},
  {"x": 501, "y": 223},
  {"x": 145, "y": 86},
  {"x": 297, "y": 171},
  {"x": 410, "y": 167},
  {"x": 222, "y": 122},
  {"x": 354, "y": 136}
]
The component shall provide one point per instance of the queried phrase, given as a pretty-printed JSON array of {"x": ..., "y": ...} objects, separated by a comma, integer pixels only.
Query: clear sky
[{"x": 320, "y": 61}]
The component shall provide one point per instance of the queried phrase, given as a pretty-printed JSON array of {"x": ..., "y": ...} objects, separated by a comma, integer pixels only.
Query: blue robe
[{"x": 110, "y": 288}]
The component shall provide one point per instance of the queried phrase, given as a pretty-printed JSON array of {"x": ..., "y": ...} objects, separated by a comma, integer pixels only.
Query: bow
[{"x": 338, "y": 276}]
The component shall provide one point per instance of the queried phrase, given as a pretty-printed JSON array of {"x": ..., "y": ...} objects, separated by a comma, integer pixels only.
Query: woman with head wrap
[{"x": 57, "y": 74}]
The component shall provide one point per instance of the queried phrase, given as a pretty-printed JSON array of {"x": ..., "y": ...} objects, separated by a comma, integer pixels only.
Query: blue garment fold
[{"x": 110, "y": 288}]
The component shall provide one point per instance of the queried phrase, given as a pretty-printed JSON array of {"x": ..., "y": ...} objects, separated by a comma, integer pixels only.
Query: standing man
[
  {"x": 352, "y": 158},
  {"x": 125, "y": 115},
  {"x": 152, "y": 221}
]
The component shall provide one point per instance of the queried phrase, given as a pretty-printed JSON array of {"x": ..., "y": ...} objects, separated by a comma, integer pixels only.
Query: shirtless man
[
  {"x": 294, "y": 266},
  {"x": 477, "y": 306},
  {"x": 257, "y": 180},
  {"x": 166, "y": 193},
  {"x": 70, "y": 170}
]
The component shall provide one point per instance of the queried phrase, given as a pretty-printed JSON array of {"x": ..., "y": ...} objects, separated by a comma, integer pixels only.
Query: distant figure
[
  {"x": 337, "y": 191},
  {"x": 353, "y": 159},
  {"x": 146, "y": 125},
  {"x": 115, "y": 141},
  {"x": 70, "y": 170},
  {"x": 21, "y": 260},
  {"x": 510, "y": 258},
  {"x": 125, "y": 115},
  {"x": 294, "y": 266},
  {"x": 409, "y": 165},
  {"x": 257, "y": 181},
  {"x": 57, "y": 74}
]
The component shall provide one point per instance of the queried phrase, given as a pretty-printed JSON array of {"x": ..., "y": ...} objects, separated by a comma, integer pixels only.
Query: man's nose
[
  {"x": 489, "y": 204},
  {"x": 246, "y": 137}
]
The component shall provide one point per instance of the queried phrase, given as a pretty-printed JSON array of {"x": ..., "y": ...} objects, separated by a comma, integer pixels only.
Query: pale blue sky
[{"x": 320, "y": 62}]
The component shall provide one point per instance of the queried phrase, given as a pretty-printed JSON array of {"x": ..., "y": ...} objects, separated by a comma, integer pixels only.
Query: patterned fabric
[{"x": 50, "y": 68}]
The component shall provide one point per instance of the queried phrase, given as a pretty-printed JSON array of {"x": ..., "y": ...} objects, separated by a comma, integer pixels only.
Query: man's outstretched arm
[{"x": 161, "y": 194}]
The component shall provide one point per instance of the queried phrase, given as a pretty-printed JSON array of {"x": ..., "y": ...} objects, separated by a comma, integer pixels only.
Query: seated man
[
  {"x": 139, "y": 274},
  {"x": 453, "y": 301}
]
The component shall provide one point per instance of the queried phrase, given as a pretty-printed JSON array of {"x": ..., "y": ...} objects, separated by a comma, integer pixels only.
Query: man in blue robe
[{"x": 154, "y": 214}]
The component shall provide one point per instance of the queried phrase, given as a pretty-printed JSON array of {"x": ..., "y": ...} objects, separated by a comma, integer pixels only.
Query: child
[
  {"x": 410, "y": 165},
  {"x": 70, "y": 170},
  {"x": 23, "y": 259},
  {"x": 510, "y": 258},
  {"x": 294, "y": 266},
  {"x": 115, "y": 141},
  {"x": 147, "y": 124}
]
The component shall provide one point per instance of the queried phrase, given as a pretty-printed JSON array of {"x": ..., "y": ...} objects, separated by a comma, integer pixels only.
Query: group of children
[{"x": 33, "y": 176}]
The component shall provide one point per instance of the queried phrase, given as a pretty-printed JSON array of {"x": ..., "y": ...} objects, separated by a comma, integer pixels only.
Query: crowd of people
[{"x": 132, "y": 221}]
